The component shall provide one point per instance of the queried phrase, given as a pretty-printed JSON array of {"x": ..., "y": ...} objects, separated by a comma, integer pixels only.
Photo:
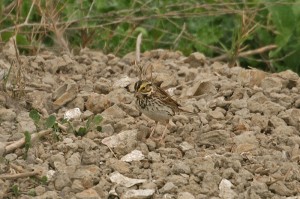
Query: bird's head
[{"x": 143, "y": 88}]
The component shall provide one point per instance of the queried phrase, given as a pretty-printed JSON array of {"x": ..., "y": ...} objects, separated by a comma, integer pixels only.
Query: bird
[{"x": 155, "y": 103}]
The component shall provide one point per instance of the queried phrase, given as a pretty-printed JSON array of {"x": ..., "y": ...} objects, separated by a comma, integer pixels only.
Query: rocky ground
[{"x": 242, "y": 143}]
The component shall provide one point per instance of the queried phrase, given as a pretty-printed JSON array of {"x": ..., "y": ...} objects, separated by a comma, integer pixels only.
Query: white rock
[
  {"x": 115, "y": 140},
  {"x": 123, "y": 82},
  {"x": 185, "y": 195},
  {"x": 120, "y": 179},
  {"x": 225, "y": 189},
  {"x": 185, "y": 146},
  {"x": 50, "y": 174},
  {"x": 134, "y": 155},
  {"x": 72, "y": 114},
  {"x": 138, "y": 194}
]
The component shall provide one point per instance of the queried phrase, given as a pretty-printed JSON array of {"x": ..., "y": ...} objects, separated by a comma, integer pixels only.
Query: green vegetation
[
  {"x": 49, "y": 122},
  {"x": 27, "y": 144},
  {"x": 15, "y": 190},
  {"x": 258, "y": 33},
  {"x": 93, "y": 123}
]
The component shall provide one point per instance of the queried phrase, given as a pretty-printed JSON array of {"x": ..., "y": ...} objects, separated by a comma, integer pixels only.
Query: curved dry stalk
[
  {"x": 19, "y": 175},
  {"x": 21, "y": 142},
  {"x": 246, "y": 53},
  {"x": 138, "y": 55}
]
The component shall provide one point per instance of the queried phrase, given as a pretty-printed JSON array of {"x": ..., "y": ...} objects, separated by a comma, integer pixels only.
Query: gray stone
[
  {"x": 11, "y": 157},
  {"x": 297, "y": 103},
  {"x": 178, "y": 180},
  {"x": 118, "y": 165},
  {"x": 169, "y": 187},
  {"x": 160, "y": 170},
  {"x": 282, "y": 99},
  {"x": 181, "y": 167},
  {"x": 291, "y": 117},
  {"x": 114, "y": 112},
  {"x": 185, "y": 146},
  {"x": 77, "y": 186},
  {"x": 202, "y": 87},
  {"x": 97, "y": 103},
  {"x": 271, "y": 84},
  {"x": 277, "y": 121},
  {"x": 39, "y": 190},
  {"x": 90, "y": 172},
  {"x": 185, "y": 195},
  {"x": 25, "y": 123},
  {"x": 90, "y": 157},
  {"x": 65, "y": 94},
  {"x": 62, "y": 180},
  {"x": 260, "y": 121},
  {"x": 108, "y": 128},
  {"x": 138, "y": 194},
  {"x": 94, "y": 55},
  {"x": 122, "y": 143},
  {"x": 48, "y": 194},
  {"x": 88, "y": 194},
  {"x": 86, "y": 143},
  {"x": 103, "y": 86},
  {"x": 196, "y": 59},
  {"x": 238, "y": 104},
  {"x": 130, "y": 109},
  {"x": 280, "y": 188},
  {"x": 210, "y": 183},
  {"x": 216, "y": 114},
  {"x": 7, "y": 115},
  {"x": 148, "y": 185},
  {"x": 74, "y": 160},
  {"x": 215, "y": 137},
  {"x": 155, "y": 157},
  {"x": 254, "y": 104},
  {"x": 271, "y": 108}
]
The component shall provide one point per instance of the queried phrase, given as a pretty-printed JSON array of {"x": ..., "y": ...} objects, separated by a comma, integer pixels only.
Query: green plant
[
  {"x": 15, "y": 190},
  {"x": 40, "y": 180},
  {"x": 27, "y": 144},
  {"x": 44, "y": 180},
  {"x": 49, "y": 122},
  {"x": 31, "y": 192},
  {"x": 219, "y": 29},
  {"x": 93, "y": 123}
]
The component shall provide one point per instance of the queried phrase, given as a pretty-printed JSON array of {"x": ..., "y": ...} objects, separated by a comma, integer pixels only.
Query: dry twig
[
  {"x": 245, "y": 54},
  {"x": 20, "y": 175},
  {"x": 21, "y": 142}
]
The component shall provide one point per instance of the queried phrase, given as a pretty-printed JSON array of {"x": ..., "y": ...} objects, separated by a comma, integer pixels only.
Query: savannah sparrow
[{"x": 155, "y": 103}]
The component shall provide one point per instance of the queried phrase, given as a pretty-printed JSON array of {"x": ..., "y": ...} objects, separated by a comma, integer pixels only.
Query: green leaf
[
  {"x": 141, "y": 30},
  {"x": 55, "y": 127},
  {"x": 15, "y": 190},
  {"x": 50, "y": 121},
  {"x": 22, "y": 40},
  {"x": 97, "y": 119},
  {"x": 44, "y": 180},
  {"x": 27, "y": 144},
  {"x": 31, "y": 192},
  {"x": 99, "y": 128},
  {"x": 284, "y": 19},
  {"x": 6, "y": 36},
  {"x": 82, "y": 131},
  {"x": 27, "y": 140},
  {"x": 34, "y": 115}
]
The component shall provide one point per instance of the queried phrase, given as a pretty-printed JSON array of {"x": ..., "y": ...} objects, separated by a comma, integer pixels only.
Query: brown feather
[{"x": 166, "y": 98}]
